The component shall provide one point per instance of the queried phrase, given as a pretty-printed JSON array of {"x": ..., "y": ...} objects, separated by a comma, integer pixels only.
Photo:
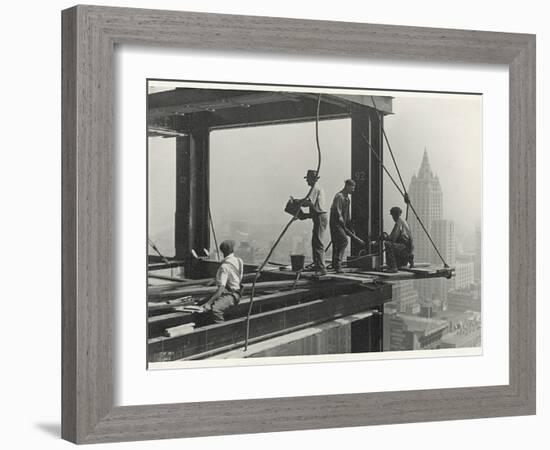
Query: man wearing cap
[
  {"x": 228, "y": 280},
  {"x": 340, "y": 224},
  {"x": 318, "y": 213},
  {"x": 399, "y": 244}
]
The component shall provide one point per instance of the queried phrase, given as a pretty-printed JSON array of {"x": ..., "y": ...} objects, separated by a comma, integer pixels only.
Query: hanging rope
[
  {"x": 213, "y": 231},
  {"x": 406, "y": 195},
  {"x": 407, "y": 200},
  {"x": 164, "y": 258},
  {"x": 154, "y": 247},
  {"x": 287, "y": 226}
]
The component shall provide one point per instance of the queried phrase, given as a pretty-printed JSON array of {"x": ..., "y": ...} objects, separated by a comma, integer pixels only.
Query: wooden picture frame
[{"x": 89, "y": 37}]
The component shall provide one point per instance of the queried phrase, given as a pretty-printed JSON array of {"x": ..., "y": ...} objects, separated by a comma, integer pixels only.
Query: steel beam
[
  {"x": 360, "y": 169},
  {"x": 191, "y": 217},
  {"x": 376, "y": 179}
]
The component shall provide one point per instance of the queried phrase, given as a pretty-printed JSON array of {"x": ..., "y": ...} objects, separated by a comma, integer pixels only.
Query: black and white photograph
[{"x": 308, "y": 222}]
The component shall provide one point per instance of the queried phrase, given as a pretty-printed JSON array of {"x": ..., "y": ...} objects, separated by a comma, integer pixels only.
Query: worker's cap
[
  {"x": 311, "y": 174},
  {"x": 396, "y": 210},
  {"x": 350, "y": 182},
  {"x": 227, "y": 246}
]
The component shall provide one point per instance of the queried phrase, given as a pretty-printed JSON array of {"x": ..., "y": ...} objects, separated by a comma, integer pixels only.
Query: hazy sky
[
  {"x": 451, "y": 130},
  {"x": 254, "y": 170}
]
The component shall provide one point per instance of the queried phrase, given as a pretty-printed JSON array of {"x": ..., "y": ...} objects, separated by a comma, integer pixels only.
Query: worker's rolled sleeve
[{"x": 221, "y": 276}]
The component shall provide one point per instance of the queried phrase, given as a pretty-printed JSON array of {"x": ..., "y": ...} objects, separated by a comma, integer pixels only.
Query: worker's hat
[{"x": 311, "y": 174}]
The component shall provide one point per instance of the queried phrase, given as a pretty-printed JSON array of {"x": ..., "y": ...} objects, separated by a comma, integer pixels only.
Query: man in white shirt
[
  {"x": 228, "y": 280},
  {"x": 318, "y": 213}
]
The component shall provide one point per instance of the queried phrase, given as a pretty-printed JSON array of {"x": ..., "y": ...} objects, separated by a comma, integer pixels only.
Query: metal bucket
[{"x": 297, "y": 262}]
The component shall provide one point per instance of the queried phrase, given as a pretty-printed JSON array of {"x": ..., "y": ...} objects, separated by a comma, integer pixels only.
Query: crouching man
[
  {"x": 398, "y": 245},
  {"x": 228, "y": 281}
]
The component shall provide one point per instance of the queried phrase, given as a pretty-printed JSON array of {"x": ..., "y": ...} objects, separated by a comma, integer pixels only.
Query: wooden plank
[
  {"x": 163, "y": 265},
  {"x": 233, "y": 331},
  {"x": 171, "y": 291},
  {"x": 288, "y": 298},
  {"x": 165, "y": 278},
  {"x": 167, "y": 304},
  {"x": 197, "y": 282},
  {"x": 157, "y": 324},
  {"x": 400, "y": 275},
  {"x": 427, "y": 270},
  {"x": 179, "y": 330},
  {"x": 353, "y": 277}
]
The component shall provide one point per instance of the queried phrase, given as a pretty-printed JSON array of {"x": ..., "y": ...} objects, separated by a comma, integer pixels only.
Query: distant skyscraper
[
  {"x": 477, "y": 261},
  {"x": 412, "y": 332},
  {"x": 427, "y": 198},
  {"x": 443, "y": 234},
  {"x": 405, "y": 297},
  {"x": 464, "y": 275}
]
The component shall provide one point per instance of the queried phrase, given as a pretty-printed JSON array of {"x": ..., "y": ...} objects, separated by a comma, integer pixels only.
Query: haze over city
[{"x": 253, "y": 171}]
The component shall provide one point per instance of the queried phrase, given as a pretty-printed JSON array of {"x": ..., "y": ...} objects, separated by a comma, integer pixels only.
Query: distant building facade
[
  {"x": 464, "y": 275},
  {"x": 466, "y": 299},
  {"x": 477, "y": 266},
  {"x": 405, "y": 297},
  {"x": 407, "y": 332},
  {"x": 465, "y": 331},
  {"x": 427, "y": 198}
]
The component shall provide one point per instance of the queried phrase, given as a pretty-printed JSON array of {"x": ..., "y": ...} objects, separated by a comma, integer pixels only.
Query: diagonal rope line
[
  {"x": 213, "y": 231},
  {"x": 406, "y": 196},
  {"x": 287, "y": 226},
  {"x": 154, "y": 247},
  {"x": 164, "y": 258},
  {"x": 401, "y": 192},
  {"x": 389, "y": 146},
  {"x": 382, "y": 164}
]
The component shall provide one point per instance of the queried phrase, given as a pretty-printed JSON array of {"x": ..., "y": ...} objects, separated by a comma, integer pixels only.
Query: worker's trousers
[
  {"x": 397, "y": 254},
  {"x": 226, "y": 301},
  {"x": 320, "y": 222},
  {"x": 339, "y": 243}
]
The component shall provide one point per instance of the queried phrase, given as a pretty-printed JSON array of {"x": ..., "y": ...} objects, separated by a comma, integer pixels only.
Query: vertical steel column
[
  {"x": 360, "y": 169},
  {"x": 184, "y": 233},
  {"x": 201, "y": 139},
  {"x": 376, "y": 177},
  {"x": 192, "y": 175}
]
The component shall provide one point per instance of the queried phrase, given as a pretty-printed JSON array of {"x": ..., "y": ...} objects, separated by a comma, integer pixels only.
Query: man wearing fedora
[{"x": 318, "y": 213}]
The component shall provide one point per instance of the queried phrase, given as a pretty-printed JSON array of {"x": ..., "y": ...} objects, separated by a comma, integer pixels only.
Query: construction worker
[
  {"x": 228, "y": 280},
  {"x": 340, "y": 224},
  {"x": 399, "y": 244},
  {"x": 317, "y": 212}
]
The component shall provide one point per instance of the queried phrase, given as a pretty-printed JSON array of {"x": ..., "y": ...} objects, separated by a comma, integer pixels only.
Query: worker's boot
[
  {"x": 320, "y": 272},
  {"x": 411, "y": 261}
]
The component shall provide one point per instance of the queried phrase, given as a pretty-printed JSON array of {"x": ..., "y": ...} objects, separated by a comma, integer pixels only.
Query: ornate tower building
[{"x": 427, "y": 198}]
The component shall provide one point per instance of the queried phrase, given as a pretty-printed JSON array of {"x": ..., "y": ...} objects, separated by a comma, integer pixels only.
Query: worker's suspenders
[{"x": 239, "y": 271}]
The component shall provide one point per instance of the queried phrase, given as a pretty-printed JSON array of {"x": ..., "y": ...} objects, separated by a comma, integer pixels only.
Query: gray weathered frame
[{"x": 89, "y": 36}]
